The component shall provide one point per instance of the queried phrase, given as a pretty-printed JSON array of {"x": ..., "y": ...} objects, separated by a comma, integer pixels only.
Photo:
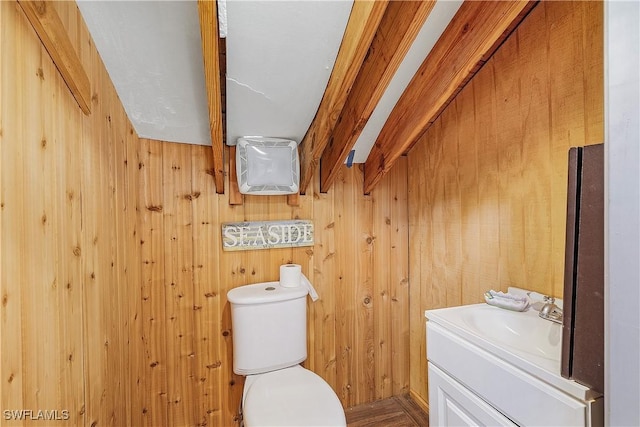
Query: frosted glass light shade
[{"x": 267, "y": 166}]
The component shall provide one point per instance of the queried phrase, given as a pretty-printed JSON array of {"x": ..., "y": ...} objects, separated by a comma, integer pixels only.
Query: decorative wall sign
[{"x": 244, "y": 236}]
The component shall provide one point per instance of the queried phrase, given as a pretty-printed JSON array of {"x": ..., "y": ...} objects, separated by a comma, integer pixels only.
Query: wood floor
[{"x": 399, "y": 411}]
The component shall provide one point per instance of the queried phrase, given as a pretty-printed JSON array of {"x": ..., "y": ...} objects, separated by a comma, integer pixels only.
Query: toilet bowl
[
  {"x": 292, "y": 396},
  {"x": 269, "y": 343}
]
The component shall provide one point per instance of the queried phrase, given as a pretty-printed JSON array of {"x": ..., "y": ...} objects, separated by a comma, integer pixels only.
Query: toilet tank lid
[{"x": 266, "y": 292}]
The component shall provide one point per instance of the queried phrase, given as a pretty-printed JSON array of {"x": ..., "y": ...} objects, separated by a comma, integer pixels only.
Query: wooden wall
[
  {"x": 113, "y": 281},
  {"x": 487, "y": 182},
  {"x": 181, "y": 326},
  {"x": 69, "y": 254}
]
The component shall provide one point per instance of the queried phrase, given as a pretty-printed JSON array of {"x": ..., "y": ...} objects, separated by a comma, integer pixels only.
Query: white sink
[
  {"x": 519, "y": 330},
  {"x": 522, "y": 339},
  {"x": 491, "y": 366}
]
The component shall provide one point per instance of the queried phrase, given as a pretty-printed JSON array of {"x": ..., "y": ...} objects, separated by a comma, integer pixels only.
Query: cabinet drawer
[
  {"x": 518, "y": 395},
  {"x": 454, "y": 405}
]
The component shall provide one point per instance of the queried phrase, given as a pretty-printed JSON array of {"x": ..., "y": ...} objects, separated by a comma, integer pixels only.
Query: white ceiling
[
  {"x": 433, "y": 27},
  {"x": 153, "y": 53},
  {"x": 279, "y": 59}
]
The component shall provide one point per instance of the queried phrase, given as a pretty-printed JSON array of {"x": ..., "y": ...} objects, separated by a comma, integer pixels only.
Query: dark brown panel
[
  {"x": 569, "y": 262},
  {"x": 588, "y": 354}
]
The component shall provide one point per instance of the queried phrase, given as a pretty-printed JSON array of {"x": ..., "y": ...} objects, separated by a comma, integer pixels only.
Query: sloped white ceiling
[
  {"x": 153, "y": 53},
  {"x": 436, "y": 22},
  {"x": 279, "y": 59}
]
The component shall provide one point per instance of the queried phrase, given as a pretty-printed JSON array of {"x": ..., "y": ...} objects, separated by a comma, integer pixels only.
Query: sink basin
[
  {"x": 519, "y": 330},
  {"x": 522, "y": 339},
  {"x": 507, "y": 360},
  {"x": 521, "y": 334}
]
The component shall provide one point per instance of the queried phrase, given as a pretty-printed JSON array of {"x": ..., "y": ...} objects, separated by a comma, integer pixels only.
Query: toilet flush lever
[{"x": 312, "y": 291}]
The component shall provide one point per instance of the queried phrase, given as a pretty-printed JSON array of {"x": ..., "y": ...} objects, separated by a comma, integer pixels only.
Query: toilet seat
[{"x": 292, "y": 396}]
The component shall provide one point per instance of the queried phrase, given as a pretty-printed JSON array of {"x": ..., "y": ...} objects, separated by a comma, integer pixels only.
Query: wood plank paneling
[
  {"x": 485, "y": 128},
  {"x": 324, "y": 311},
  {"x": 48, "y": 25},
  {"x": 346, "y": 299},
  {"x": 178, "y": 283},
  {"x": 113, "y": 279},
  {"x": 472, "y": 35},
  {"x": 105, "y": 295},
  {"x": 68, "y": 218},
  {"x": 390, "y": 277},
  {"x": 69, "y": 223},
  {"x": 391, "y": 283},
  {"x": 135, "y": 320},
  {"x": 346, "y": 326},
  {"x": 96, "y": 319},
  {"x": 381, "y": 300},
  {"x": 487, "y": 182},
  {"x": 150, "y": 345},
  {"x": 206, "y": 283},
  {"x": 362, "y": 262},
  {"x": 12, "y": 210},
  {"x": 36, "y": 241}
]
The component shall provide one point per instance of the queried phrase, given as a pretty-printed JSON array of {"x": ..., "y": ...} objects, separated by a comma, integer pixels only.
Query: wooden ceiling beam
[
  {"x": 398, "y": 29},
  {"x": 208, "y": 13},
  {"x": 362, "y": 25},
  {"x": 54, "y": 37},
  {"x": 470, "y": 38}
]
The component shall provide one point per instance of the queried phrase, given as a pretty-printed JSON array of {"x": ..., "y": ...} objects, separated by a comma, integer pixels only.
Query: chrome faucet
[{"x": 550, "y": 311}]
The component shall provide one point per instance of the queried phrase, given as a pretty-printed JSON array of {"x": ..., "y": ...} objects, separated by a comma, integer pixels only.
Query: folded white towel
[{"x": 507, "y": 301}]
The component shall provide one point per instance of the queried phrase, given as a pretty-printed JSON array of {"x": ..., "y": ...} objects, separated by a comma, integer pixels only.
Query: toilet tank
[{"x": 269, "y": 324}]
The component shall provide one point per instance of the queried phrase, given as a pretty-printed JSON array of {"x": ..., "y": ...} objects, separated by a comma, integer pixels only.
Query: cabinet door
[{"x": 451, "y": 404}]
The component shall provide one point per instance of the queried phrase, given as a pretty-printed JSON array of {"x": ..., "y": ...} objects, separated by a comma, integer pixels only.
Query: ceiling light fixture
[{"x": 267, "y": 166}]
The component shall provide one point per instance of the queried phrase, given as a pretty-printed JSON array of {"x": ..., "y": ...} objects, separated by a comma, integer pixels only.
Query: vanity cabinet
[
  {"x": 454, "y": 405},
  {"x": 473, "y": 381}
]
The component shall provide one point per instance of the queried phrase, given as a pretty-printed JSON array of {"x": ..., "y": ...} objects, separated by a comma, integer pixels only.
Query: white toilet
[{"x": 269, "y": 325}]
